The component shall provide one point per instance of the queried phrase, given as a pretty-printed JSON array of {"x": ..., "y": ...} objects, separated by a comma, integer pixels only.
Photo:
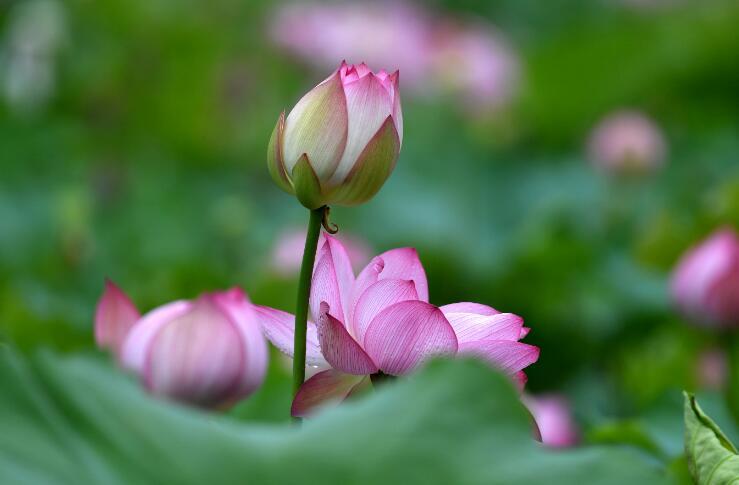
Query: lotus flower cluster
[
  {"x": 705, "y": 284},
  {"x": 341, "y": 141},
  {"x": 382, "y": 322},
  {"x": 208, "y": 352}
]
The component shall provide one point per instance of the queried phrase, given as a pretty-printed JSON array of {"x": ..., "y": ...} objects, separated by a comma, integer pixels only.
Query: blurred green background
[{"x": 141, "y": 157}]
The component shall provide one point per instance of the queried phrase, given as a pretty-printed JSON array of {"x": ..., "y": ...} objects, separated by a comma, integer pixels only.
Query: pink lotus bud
[
  {"x": 627, "y": 141},
  {"x": 341, "y": 141},
  {"x": 554, "y": 420},
  {"x": 705, "y": 285},
  {"x": 288, "y": 251},
  {"x": 208, "y": 352}
]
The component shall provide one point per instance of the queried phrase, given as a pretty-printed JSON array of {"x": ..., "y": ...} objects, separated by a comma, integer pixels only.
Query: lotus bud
[
  {"x": 705, "y": 285},
  {"x": 341, "y": 141},
  {"x": 627, "y": 142},
  {"x": 208, "y": 352}
]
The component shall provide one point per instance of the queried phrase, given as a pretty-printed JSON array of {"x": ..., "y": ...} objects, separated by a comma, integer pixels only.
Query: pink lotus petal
[
  {"x": 368, "y": 104},
  {"x": 279, "y": 328},
  {"x": 323, "y": 389},
  {"x": 114, "y": 317},
  {"x": 376, "y": 298},
  {"x": 333, "y": 279},
  {"x": 197, "y": 357},
  {"x": 133, "y": 352},
  {"x": 505, "y": 355},
  {"x": 468, "y": 307},
  {"x": 237, "y": 306},
  {"x": 397, "y": 111},
  {"x": 339, "y": 348},
  {"x": 520, "y": 378},
  {"x": 554, "y": 420},
  {"x": 399, "y": 264},
  {"x": 405, "y": 334},
  {"x": 470, "y": 327},
  {"x": 524, "y": 332}
]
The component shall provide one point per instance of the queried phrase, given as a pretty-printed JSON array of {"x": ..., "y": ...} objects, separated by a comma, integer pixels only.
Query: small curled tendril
[{"x": 329, "y": 226}]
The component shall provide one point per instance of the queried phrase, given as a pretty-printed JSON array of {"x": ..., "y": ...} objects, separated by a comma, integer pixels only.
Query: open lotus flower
[
  {"x": 705, "y": 285},
  {"x": 207, "y": 352},
  {"x": 382, "y": 322},
  {"x": 341, "y": 141}
]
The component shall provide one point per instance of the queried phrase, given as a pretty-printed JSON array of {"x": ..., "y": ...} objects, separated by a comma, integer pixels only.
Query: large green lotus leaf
[
  {"x": 712, "y": 458},
  {"x": 75, "y": 420}
]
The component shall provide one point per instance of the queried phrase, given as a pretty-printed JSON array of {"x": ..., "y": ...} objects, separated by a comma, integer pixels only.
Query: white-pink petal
[
  {"x": 376, "y": 298},
  {"x": 340, "y": 349},
  {"x": 406, "y": 334},
  {"x": 368, "y": 104},
  {"x": 505, "y": 355},
  {"x": 279, "y": 328},
  {"x": 323, "y": 389},
  {"x": 333, "y": 279},
  {"x": 470, "y": 327},
  {"x": 197, "y": 357},
  {"x": 469, "y": 307},
  {"x": 135, "y": 347},
  {"x": 236, "y": 305}
]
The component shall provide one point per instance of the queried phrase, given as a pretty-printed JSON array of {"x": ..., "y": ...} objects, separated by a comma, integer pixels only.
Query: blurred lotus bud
[
  {"x": 208, "y": 352},
  {"x": 475, "y": 63},
  {"x": 322, "y": 34},
  {"x": 712, "y": 369},
  {"x": 627, "y": 142},
  {"x": 554, "y": 420},
  {"x": 705, "y": 284},
  {"x": 287, "y": 254},
  {"x": 341, "y": 141}
]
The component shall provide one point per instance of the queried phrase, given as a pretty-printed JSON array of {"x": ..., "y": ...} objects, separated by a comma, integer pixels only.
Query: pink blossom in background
[
  {"x": 471, "y": 61},
  {"x": 287, "y": 254},
  {"x": 712, "y": 369},
  {"x": 554, "y": 419},
  {"x": 476, "y": 63},
  {"x": 627, "y": 141},
  {"x": 705, "y": 283},
  {"x": 207, "y": 352},
  {"x": 381, "y": 321},
  {"x": 383, "y": 33}
]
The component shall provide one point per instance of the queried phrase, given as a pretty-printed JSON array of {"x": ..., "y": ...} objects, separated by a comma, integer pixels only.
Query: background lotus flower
[
  {"x": 712, "y": 369},
  {"x": 381, "y": 321},
  {"x": 321, "y": 34},
  {"x": 554, "y": 420},
  {"x": 627, "y": 141},
  {"x": 341, "y": 141},
  {"x": 208, "y": 352},
  {"x": 288, "y": 251},
  {"x": 476, "y": 64},
  {"x": 705, "y": 284}
]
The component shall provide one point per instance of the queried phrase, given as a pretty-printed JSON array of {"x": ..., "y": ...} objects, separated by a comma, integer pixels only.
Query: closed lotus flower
[
  {"x": 341, "y": 141},
  {"x": 208, "y": 352},
  {"x": 705, "y": 285},
  {"x": 382, "y": 323},
  {"x": 554, "y": 420}
]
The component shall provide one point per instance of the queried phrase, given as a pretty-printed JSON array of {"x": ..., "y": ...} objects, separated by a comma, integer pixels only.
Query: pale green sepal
[
  {"x": 712, "y": 458},
  {"x": 373, "y": 167},
  {"x": 274, "y": 157},
  {"x": 306, "y": 184}
]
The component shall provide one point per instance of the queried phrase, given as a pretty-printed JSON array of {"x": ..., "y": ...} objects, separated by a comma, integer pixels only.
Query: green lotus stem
[{"x": 301, "y": 311}]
